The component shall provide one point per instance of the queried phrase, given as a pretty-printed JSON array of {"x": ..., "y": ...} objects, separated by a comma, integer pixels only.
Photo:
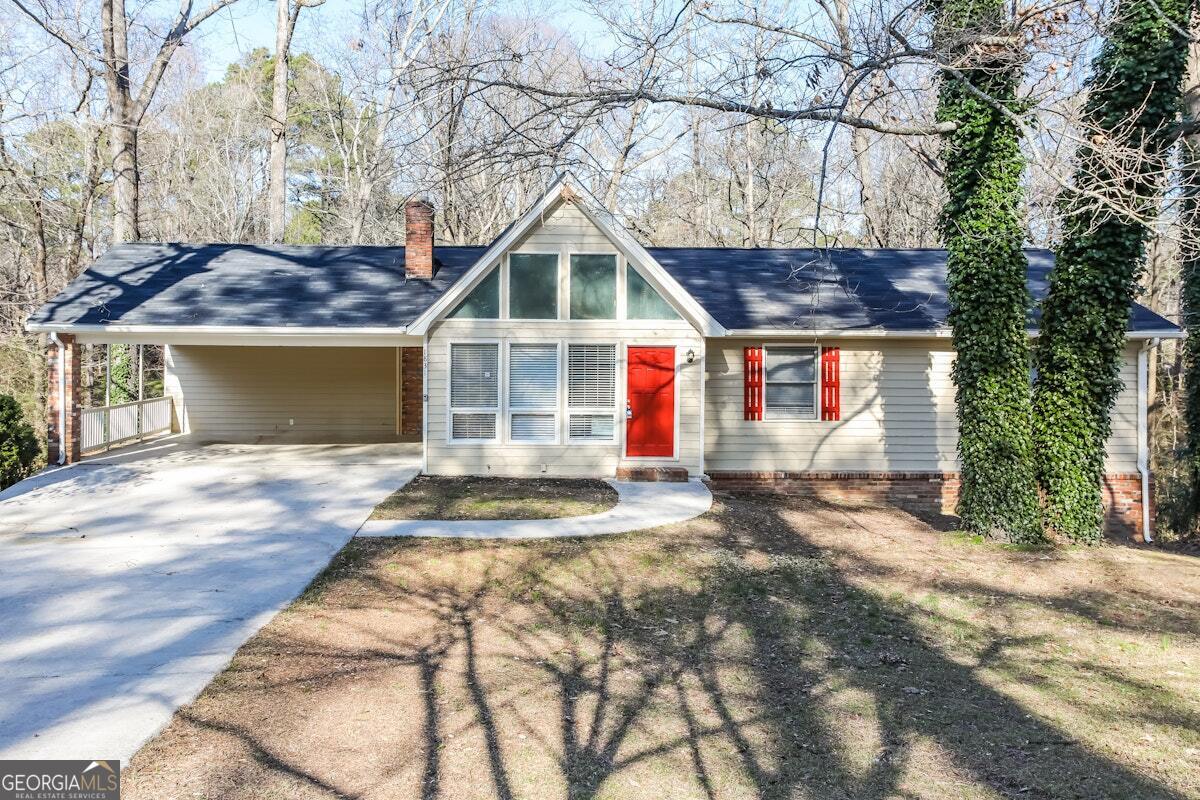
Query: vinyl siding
[
  {"x": 897, "y": 403},
  {"x": 563, "y": 459},
  {"x": 563, "y": 230},
  {"x": 287, "y": 394}
]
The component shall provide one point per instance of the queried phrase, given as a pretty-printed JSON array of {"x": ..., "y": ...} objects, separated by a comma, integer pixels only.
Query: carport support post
[{"x": 62, "y": 400}]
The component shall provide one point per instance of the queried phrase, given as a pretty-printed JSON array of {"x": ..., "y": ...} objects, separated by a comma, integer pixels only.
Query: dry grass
[
  {"x": 769, "y": 649},
  {"x": 440, "y": 497}
]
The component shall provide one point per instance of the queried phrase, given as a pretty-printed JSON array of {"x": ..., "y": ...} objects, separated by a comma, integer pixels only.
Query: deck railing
[{"x": 106, "y": 427}]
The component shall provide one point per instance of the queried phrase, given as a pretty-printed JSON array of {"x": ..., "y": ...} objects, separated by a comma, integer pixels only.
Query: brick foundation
[
  {"x": 54, "y": 402},
  {"x": 1123, "y": 505},
  {"x": 925, "y": 493},
  {"x": 412, "y": 405},
  {"x": 674, "y": 474}
]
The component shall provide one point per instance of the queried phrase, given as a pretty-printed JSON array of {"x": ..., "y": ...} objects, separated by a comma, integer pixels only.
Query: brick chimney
[{"x": 418, "y": 239}]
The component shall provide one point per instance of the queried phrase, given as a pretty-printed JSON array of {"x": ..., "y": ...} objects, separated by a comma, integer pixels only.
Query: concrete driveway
[{"x": 127, "y": 582}]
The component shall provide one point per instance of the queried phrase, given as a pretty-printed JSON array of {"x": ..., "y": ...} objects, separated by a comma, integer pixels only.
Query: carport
[
  {"x": 246, "y": 387},
  {"x": 282, "y": 345}
]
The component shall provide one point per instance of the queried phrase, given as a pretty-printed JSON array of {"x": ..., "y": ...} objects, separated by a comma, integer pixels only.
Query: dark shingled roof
[
  {"x": 236, "y": 284},
  {"x": 284, "y": 286},
  {"x": 840, "y": 289}
]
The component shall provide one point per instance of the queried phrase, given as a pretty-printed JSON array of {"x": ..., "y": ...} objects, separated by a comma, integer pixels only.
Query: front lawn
[
  {"x": 770, "y": 649},
  {"x": 442, "y": 497}
]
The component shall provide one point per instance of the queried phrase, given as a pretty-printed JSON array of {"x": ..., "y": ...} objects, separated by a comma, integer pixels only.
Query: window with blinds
[
  {"x": 533, "y": 392},
  {"x": 592, "y": 392},
  {"x": 474, "y": 391},
  {"x": 790, "y": 385}
]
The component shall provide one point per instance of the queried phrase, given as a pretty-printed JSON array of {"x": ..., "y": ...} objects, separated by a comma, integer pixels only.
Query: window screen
[
  {"x": 642, "y": 301},
  {"x": 484, "y": 300},
  {"x": 592, "y": 391},
  {"x": 791, "y": 382},
  {"x": 532, "y": 286},
  {"x": 533, "y": 392},
  {"x": 593, "y": 287},
  {"x": 474, "y": 390}
]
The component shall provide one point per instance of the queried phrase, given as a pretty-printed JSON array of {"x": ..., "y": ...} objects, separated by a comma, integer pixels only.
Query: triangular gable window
[
  {"x": 642, "y": 301},
  {"x": 484, "y": 300}
]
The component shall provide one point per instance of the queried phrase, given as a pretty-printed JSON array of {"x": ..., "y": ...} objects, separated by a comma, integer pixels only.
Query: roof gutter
[
  {"x": 236, "y": 330},
  {"x": 62, "y": 397},
  {"x": 881, "y": 333}
]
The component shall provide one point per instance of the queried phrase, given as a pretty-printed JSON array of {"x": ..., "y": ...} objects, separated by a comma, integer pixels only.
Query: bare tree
[
  {"x": 127, "y": 104},
  {"x": 285, "y": 26}
]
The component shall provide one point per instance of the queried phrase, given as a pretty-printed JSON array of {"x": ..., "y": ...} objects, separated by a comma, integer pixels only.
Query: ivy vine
[
  {"x": 989, "y": 302},
  {"x": 1190, "y": 314},
  {"x": 1134, "y": 100}
]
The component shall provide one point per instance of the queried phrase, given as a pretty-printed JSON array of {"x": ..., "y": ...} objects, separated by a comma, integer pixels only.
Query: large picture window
[
  {"x": 532, "y": 286},
  {"x": 592, "y": 392},
  {"x": 533, "y": 392},
  {"x": 593, "y": 286},
  {"x": 791, "y": 382},
  {"x": 474, "y": 391}
]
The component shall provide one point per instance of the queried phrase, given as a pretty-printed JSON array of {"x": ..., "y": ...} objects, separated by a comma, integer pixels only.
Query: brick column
[
  {"x": 411, "y": 389},
  {"x": 54, "y": 402}
]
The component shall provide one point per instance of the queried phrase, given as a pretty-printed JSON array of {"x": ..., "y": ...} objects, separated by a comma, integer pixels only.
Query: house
[{"x": 567, "y": 348}]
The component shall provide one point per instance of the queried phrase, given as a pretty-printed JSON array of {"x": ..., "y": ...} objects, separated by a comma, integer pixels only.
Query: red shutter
[
  {"x": 753, "y": 373},
  {"x": 831, "y": 383}
]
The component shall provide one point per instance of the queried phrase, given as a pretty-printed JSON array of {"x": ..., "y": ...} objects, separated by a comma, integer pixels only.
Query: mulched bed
[{"x": 471, "y": 498}]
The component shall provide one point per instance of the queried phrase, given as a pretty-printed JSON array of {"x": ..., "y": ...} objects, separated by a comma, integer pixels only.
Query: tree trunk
[
  {"x": 1100, "y": 259},
  {"x": 277, "y": 181},
  {"x": 122, "y": 121},
  {"x": 126, "y": 182},
  {"x": 1190, "y": 292},
  {"x": 981, "y": 227}
]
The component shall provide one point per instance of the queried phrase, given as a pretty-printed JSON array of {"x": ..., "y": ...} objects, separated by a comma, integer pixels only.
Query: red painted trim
[
  {"x": 753, "y": 383},
  {"x": 831, "y": 383}
]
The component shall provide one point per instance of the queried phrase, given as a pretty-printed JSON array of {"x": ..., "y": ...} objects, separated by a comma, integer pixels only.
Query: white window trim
[
  {"x": 818, "y": 386},
  {"x": 568, "y": 410},
  {"x": 556, "y": 410},
  {"x": 618, "y": 306},
  {"x": 501, "y": 395},
  {"x": 506, "y": 284},
  {"x": 679, "y": 350}
]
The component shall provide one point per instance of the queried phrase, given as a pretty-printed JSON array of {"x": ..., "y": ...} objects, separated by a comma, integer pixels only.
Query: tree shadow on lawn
[{"x": 728, "y": 657}]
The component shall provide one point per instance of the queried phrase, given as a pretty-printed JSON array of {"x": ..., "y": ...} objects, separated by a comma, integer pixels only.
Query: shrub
[{"x": 19, "y": 448}]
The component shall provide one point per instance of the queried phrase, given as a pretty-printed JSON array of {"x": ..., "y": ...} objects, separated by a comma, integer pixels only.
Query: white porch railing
[{"x": 105, "y": 427}]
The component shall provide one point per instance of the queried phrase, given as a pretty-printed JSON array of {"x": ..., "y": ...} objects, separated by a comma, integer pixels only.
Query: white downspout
[
  {"x": 62, "y": 397},
  {"x": 425, "y": 403},
  {"x": 1143, "y": 431}
]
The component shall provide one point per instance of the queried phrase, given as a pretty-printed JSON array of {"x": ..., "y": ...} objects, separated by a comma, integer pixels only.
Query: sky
[{"x": 249, "y": 24}]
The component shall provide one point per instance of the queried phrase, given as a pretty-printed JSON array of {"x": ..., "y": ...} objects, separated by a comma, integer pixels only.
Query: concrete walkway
[
  {"x": 128, "y": 581},
  {"x": 639, "y": 506}
]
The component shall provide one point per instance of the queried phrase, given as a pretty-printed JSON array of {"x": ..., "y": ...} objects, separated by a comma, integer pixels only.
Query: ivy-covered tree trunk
[
  {"x": 1127, "y": 118},
  {"x": 1190, "y": 292},
  {"x": 981, "y": 227}
]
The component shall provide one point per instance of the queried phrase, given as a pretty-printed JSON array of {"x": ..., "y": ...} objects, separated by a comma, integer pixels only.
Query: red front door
[{"x": 650, "y": 389}]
